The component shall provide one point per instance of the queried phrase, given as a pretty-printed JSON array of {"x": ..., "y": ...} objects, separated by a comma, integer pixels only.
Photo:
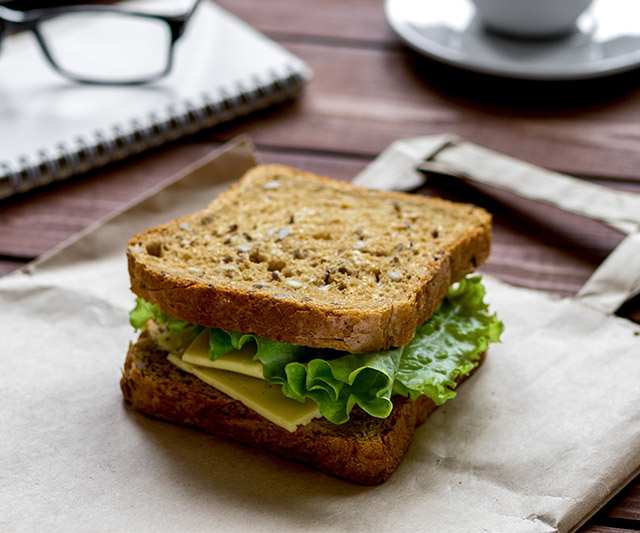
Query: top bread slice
[{"x": 303, "y": 259}]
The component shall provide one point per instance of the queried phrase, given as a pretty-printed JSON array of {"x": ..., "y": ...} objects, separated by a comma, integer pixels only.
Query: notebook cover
[{"x": 53, "y": 128}]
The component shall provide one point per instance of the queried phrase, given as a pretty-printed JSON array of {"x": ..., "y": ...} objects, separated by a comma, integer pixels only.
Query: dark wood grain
[
  {"x": 605, "y": 529},
  {"x": 34, "y": 223},
  {"x": 362, "y": 99},
  {"x": 9, "y": 265},
  {"x": 368, "y": 91},
  {"x": 626, "y": 505},
  {"x": 329, "y": 20}
]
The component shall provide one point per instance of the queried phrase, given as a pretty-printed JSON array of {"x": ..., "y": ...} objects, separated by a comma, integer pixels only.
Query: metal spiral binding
[
  {"x": 51, "y": 167},
  {"x": 119, "y": 142}
]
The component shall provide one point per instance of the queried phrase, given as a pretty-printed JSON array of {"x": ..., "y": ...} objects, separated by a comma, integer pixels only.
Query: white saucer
[{"x": 606, "y": 41}]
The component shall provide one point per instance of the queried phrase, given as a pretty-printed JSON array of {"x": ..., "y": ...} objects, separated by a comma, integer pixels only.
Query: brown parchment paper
[{"x": 541, "y": 436}]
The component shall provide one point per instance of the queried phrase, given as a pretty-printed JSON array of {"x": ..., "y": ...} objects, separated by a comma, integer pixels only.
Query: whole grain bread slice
[
  {"x": 364, "y": 450},
  {"x": 303, "y": 259}
]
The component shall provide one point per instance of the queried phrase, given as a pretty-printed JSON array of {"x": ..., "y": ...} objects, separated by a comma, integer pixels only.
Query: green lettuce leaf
[
  {"x": 182, "y": 333},
  {"x": 445, "y": 347},
  {"x": 337, "y": 381},
  {"x": 449, "y": 344}
]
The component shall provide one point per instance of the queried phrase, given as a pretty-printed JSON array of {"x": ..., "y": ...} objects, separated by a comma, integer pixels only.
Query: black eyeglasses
[{"x": 102, "y": 44}]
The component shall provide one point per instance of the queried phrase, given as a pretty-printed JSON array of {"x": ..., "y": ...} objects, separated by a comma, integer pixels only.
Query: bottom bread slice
[{"x": 364, "y": 450}]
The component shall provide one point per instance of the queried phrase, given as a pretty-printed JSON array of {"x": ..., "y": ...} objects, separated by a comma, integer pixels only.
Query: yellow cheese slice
[
  {"x": 239, "y": 361},
  {"x": 263, "y": 397}
]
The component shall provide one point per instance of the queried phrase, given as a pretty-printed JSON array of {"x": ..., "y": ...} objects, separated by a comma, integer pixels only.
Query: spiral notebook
[{"x": 52, "y": 128}]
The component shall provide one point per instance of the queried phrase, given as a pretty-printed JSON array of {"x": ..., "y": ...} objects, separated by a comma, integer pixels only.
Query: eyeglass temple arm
[
  {"x": 179, "y": 22},
  {"x": 13, "y": 16}
]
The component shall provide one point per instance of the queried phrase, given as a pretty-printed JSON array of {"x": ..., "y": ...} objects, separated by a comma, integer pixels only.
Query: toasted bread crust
[
  {"x": 362, "y": 318},
  {"x": 364, "y": 450}
]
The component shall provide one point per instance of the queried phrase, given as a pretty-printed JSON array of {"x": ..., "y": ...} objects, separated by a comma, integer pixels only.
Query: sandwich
[{"x": 311, "y": 318}]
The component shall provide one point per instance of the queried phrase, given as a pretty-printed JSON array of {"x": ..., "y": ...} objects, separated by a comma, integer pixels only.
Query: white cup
[{"x": 530, "y": 18}]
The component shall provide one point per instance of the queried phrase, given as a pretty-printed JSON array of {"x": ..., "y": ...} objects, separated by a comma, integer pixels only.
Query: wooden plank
[
  {"x": 36, "y": 222},
  {"x": 357, "y": 20},
  {"x": 9, "y": 265},
  {"x": 362, "y": 99},
  {"x": 626, "y": 505},
  {"x": 605, "y": 529}
]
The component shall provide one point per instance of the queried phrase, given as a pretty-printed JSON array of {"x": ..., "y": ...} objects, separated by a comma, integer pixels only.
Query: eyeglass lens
[{"x": 109, "y": 47}]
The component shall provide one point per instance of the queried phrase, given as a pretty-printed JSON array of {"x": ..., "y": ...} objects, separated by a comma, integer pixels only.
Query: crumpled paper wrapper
[{"x": 545, "y": 433}]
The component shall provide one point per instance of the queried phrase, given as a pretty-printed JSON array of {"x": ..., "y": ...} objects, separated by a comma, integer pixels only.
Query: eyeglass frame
[{"x": 13, "y": 20}]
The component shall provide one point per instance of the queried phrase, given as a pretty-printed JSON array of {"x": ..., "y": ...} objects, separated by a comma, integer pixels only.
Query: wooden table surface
[{"x": 369, "y": 90}]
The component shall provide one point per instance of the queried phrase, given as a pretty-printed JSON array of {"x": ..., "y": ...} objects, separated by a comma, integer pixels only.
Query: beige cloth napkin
[{"x": 543, "y": 435}]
